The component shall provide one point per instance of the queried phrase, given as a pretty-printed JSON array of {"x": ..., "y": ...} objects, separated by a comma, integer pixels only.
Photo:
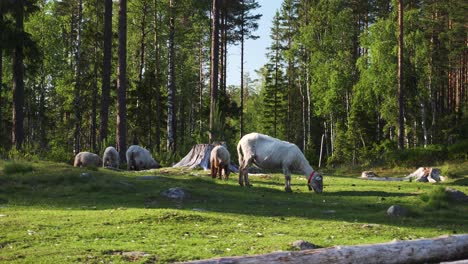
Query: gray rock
[
  {"x": 456, "y": 195},
  {"x": 303, "y": 245},
  {"x": 86, "y": 176},
  {"x": 175, "y": 193},
  {"x": 396, "y": 210}
]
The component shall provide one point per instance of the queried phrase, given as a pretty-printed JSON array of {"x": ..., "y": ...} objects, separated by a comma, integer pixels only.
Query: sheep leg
[
  {"x": 287, "y": 180},
  {"x": 213, "y": 169},
  {"x": 219, "y": 170}
]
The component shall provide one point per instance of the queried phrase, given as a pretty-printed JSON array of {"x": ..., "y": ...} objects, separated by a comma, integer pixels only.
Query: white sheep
[
  {"x": 87, "y": 159},
  {"x": 271, "y": 153},
  {"x": 219, "y": 162},
  {"x": 139, "y": 158},
  {"x": 111, "y": 158}
]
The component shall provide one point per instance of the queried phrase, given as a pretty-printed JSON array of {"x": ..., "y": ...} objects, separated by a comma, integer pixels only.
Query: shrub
[
  {"x": 436, "y": 199},
  {"x": 417, "y": 157},
  {"x": 458, "y": 151},
  {"x": 17, "y": 167}
]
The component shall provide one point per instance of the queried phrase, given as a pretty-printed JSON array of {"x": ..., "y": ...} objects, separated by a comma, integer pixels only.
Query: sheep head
[{"x": 316, "y": 183}]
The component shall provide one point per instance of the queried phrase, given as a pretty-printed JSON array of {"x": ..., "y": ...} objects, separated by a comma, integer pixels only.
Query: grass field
[{"x": 49, "y": 214}]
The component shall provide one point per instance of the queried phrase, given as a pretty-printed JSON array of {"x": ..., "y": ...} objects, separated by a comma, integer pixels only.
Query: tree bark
[
  {"x": 200, "y": 87},
  {"x": 171, "y": 118},
  {"x": 106, "y": 72},
  {"x": 18, "y": 82},
  {"x": 157, "y": 95},
  {"x": 214, "y": 67},
  {"x": 242, "y": 73},
  {"x": 401, "y": 111},
  {"x": 438, "y": 249},
  {"x": 77, "y": 92},
  {"x": 121, "y": 135},
  {"x": 95, "y": 85},
  {"x": 1, "y": 84}
]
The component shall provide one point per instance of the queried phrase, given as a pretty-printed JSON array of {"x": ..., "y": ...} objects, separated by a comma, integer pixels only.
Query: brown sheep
[
  {"x": 87, "y": 159},
  {"x": 219, "y": 161}
]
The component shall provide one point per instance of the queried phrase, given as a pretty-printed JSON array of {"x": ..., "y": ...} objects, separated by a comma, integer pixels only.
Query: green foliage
[
  {"x": 417, "y": 157},
  {"x": 436, "y": 199},
  {"x": 14, "y": 167},
  {"x": 458, "y": 151}
]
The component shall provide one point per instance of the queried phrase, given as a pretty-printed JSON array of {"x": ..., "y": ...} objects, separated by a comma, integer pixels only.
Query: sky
[{"x": 254, "y": 50}]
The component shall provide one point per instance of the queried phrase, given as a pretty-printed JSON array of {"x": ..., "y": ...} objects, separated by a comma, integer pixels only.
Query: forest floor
[{"x": 53, "y": 213}]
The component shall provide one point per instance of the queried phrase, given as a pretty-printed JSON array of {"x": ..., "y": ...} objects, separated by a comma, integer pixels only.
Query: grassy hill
[{"x": 54, "y": 213}]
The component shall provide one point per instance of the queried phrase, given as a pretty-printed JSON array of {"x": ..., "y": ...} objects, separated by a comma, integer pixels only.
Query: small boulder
[
  {"x": 456, "y": 195},
  {"x": 175, "y": 193},
  {"x": 303, "y": 245},
  {"x": 85, "y": 176},
  {"x": 397, "y": 211}
]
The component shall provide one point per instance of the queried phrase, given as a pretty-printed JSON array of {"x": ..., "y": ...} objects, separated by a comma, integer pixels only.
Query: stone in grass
[
  {"x": 175, "y": 193},
  {"x": 86, "y": 176},
  {"x": 456, "y": 195},
  {"x": 397, "y": 211},
  {"x": 303, "y": 245}
]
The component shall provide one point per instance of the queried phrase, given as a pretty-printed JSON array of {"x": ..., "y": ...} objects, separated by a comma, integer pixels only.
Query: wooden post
[
  {"x": 409, "y": 251},
  {"x": 321, "y": 151}
]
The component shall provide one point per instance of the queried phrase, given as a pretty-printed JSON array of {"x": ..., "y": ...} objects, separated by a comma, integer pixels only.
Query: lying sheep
[
  {"x": 219, "y": 161},
  {"x": 110, "y": 158},
  {"x": 139, "y": 158},
  {"x": 87, "y": 159}
]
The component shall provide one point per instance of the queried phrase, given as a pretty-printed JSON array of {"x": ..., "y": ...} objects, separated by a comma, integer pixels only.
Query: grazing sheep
[
  {"x": 87, "y": 159},
  {"x": 110, "y": 158},
  {"x": 219, "y": 161},
  {"x": 139, "y": 158},
  {"x": 271, "y": 153}
]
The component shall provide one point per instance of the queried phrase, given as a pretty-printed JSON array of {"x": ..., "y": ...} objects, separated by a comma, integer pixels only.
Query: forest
[{"x": 361, "y": 82}]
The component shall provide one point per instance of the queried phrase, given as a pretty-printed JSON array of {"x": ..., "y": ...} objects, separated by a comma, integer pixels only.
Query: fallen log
[
  {"x": 384, "y": 179},
  {"x": 444, "y": 248}
]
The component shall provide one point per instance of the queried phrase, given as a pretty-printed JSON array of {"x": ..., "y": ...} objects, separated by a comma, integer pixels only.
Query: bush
[
  {"x": 458, "y": 151},
  {"x": 417, "y": 157},
  {"x": 17, "y": 167},
  {"x": 436, "y": 199}
]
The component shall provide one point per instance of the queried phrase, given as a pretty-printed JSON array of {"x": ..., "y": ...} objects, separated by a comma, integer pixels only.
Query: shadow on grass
[{"x": 102, "y": 189}]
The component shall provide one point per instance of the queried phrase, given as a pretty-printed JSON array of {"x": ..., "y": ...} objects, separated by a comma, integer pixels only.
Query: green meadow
[{"x": 51, "y": 213}]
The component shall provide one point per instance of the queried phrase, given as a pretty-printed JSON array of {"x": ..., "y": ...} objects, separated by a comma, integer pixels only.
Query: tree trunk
[
  {"x": 77, "y": 92},
  {"x": 18, "y": 82},
  {"x": 106, "y": 72},
  {"x": 200, "y": 87},
  {"x": 121, "y": 134},
  {"x": 171, "y": 118},
  {"x": 214, "y": 67},
  {"x": 95, "y": 85},
  {"x": 401, "y": 111},
  {"x": 157, "y": 96},
  {"x": 2, "y": 135},
  {"x": 242, "y": 73},
  {"x": 439, "y": 249}
]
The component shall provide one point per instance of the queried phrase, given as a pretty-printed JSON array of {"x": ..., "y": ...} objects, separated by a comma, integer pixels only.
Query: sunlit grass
[{"x": 54, "y": 215}]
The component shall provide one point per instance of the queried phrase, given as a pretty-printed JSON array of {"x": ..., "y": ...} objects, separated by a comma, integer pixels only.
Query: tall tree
[
  {"x": 18, "y": 81},
  {"x": 401, "y": 109},
  {"x": 106, "y": 72},
  {"x": 171, "y": 118},
  {"x": 1, "y": 74},
  {"x": 77, "y": 108},
  {"x": 121, "y": 134},
  {"x": 248, "y": 24},
  {"x": 214, "y": 67}
]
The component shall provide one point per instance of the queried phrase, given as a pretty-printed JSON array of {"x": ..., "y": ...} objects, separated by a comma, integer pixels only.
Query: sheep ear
[
  {"x": 319, "y": 178},
  {"x": 310, "y": 188}
]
